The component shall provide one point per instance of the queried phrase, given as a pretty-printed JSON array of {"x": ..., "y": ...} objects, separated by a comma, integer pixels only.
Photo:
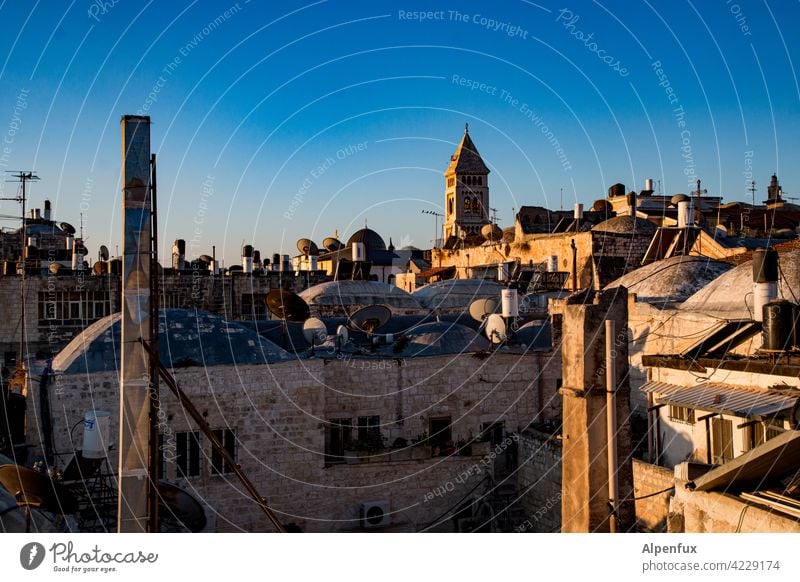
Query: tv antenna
[
  {"x": 22, "y": 177},
  {"x": 436, "y": 216},
  {"x": 752, "y": 189}
]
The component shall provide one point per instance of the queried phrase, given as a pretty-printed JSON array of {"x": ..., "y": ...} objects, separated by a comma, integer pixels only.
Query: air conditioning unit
[{"x": 374, "y": 514}]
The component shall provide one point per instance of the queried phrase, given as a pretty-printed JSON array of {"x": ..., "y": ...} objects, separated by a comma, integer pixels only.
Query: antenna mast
[{"x": 22, "y": 178}]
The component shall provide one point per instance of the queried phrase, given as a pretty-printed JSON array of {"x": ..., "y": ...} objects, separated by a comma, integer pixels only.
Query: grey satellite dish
[
  {"x": 287, "y": 305},
  {"x": 205, "y": 258},
  {"x": 308, "y": 247},
  {"x": 103, "y": 253},
  {"x": 480, "y": 309},
  {"x": 332, "y": 244},
  {"x": 314, "y": 331},
  {"x": 67, "y": 227},
  {"x": 342, "y": 335},
  {"x": 495, "y": 328},
  {"x": 369, "y": 319},
  {"x": 491, "y": 232}
]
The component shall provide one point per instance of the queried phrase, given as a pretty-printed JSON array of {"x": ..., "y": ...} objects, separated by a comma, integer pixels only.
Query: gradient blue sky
[{"x": 259, "y": 101}]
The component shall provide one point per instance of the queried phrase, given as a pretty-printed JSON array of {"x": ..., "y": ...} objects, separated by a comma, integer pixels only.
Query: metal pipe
[
  {"x": 574, "y": 266},
  {"x": 155, "y": 404},
  {"x": 611, "y": 424},
  {"x": 204, "y": 427}
]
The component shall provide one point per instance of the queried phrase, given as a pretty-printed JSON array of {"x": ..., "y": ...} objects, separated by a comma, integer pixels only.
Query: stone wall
[
  {"x": 281, "y": 413},
  {"x": 539, "y": 481},
  {"x": 45, "y": 335},
  {"x": 651, "y": 512},
  {"x": 711, "y": 512}
]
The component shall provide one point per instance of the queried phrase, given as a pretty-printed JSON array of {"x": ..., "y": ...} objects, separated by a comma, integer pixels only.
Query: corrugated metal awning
[{"x": 724, "y": 398}]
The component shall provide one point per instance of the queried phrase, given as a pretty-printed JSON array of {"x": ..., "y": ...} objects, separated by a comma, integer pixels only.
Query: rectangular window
[
  {"x": 219, "y": 465},
  {"x": 368, "y": 427},
  {"x": 773, "y": 428},
  {"x": 188, "y": 454},
  {"x": 338, "y": 438},
  {"x": 682, "y": 414},
  {"x": 441, "y": 435},
  {"x": 721, "y": 440}
]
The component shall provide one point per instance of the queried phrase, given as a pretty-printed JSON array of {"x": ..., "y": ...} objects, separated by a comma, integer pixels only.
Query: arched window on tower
[
  {"x": 450, "y": 206},
  {"x": 467, "y": 205},
  {"x": 480, "y": 180},
  {"x": 476, "y": 205}
]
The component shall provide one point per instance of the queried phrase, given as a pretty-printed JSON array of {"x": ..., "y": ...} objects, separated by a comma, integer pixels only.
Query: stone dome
[
  {"x": 358, "y": 293},
  {"x": 187, "y": 338},
  {"x": 456, "y": 293},
  {"x": 672, "y": 280},
  {"x": 443, "y": 337},
  {"x": 371, "y": 239},
  {"x": 730, "y": 296},
  {"x": 626, "y": 225}
]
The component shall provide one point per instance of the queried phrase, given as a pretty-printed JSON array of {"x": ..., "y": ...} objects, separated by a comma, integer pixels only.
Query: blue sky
[{"x": 279, "y": 120}]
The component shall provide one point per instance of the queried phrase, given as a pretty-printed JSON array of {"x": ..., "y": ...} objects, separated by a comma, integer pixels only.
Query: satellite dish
[
  {"x": 67, "y": 227},
  {"x": 491, "y": 232},
  {"x": 205, "y": 258},
  {"x": 308, "y": 247},
  {"x": 480, "y": 309},
  {"x": 103, "y": 253},
  {"x": 314, "y": 331},
  {"x": 342, "y": 335},
  {"x": 36, "y": 490},
  {"x": 177, "y": 510},
  {"x": 495, "y": 328},
  {"x": 369, "y": 319},
  {"x": 53, "y": 268},
  {"x": 332, "y": 244},
  {"x": 287, "y": 305}
]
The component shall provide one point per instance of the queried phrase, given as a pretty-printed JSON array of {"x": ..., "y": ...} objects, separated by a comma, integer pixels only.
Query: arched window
[
  {"x": 450, "y": 206},
  {"x": 476, "y": 206},
  {"x": 466, "y": 204},
  {"x": 480, "y": 180}
]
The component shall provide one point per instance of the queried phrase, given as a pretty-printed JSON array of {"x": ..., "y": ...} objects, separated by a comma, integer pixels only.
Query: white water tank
[
  {"x": 552, "y": 264},
  {"x": 96, "y": 434},
  {"x": 359, "y": 252},
  {"x": 503, "y": 271},
  {"x": 579, "y": 212},
  {"x": 648, "y": 184},
  {"x": 685, "y": 214},
  {"x": 763, "y": 293},
  {"x": 313, "y": 263},
  {"x": 509, "y": 299}
]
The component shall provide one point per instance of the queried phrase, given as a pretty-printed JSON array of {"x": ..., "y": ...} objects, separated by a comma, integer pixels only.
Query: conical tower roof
[{"x": 467, "y": 160}]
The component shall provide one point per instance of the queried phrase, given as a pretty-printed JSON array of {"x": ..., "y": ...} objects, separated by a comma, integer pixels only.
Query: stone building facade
[{"x": 286, "y": 424}]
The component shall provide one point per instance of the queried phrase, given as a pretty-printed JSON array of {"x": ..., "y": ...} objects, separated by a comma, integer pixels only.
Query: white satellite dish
[
  {"x": 480, "y": 309},
  {"x": 314, "y": 331},
  {"x": 342, "y": 335},
  {"x": 495, "y": 328}
]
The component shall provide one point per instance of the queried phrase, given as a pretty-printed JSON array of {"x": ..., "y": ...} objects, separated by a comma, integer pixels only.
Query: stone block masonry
[{"x": 281, "y": 416}]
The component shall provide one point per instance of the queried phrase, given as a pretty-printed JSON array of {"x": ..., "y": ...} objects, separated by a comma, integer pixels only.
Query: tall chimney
[
  {"x": 134, "y": 425},
  {"x": 47, "y": 210}
]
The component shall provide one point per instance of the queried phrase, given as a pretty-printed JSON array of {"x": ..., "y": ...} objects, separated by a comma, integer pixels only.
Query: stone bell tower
[{"x": 466, "y": 198}]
